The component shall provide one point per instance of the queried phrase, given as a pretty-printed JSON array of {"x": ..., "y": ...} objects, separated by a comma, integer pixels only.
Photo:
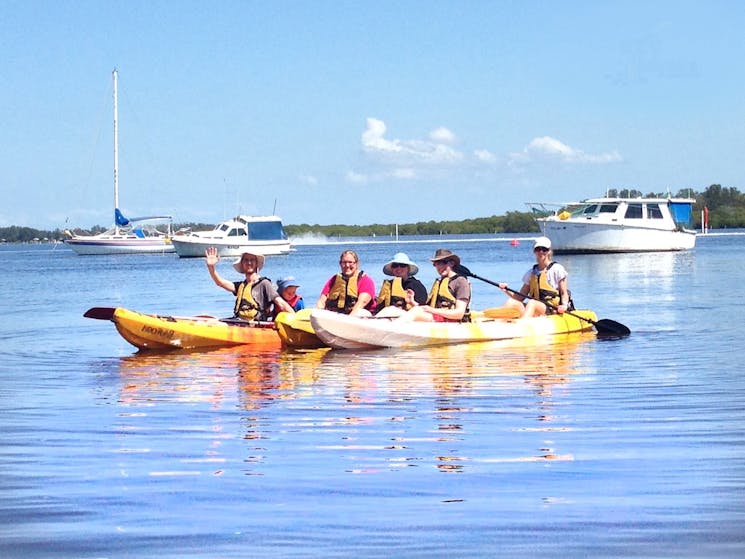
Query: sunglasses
[
  {"x": 397, "y": 265},
  {"x": 540, "y": 249}
]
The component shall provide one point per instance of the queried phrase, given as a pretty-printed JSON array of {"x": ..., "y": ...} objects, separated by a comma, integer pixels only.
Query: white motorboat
[
  {"x": 611, "y": 224},
  {"x": 127, "y": 236},
  {"x": 255, "y": 234}
]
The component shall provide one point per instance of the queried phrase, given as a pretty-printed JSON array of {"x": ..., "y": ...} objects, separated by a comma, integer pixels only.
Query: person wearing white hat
[
  {"x": 449, "y": 297},
  {"x": 544, "y": 288},
  {"x": 255, "y": 297},
  {"x": 393, "y": 292}
]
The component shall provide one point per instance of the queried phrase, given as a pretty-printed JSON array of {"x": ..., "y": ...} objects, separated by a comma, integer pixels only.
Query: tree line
[{"x": 726, "y": 210}]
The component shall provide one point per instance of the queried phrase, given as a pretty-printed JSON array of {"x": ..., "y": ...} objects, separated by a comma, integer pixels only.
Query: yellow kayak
[
  {"x": 295, "y": 330},
  {"x": 149, "y": 331}
]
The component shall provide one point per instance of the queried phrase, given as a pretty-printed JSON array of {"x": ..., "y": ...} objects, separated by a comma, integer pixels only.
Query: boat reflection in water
[{"x": 449, "y": 407}]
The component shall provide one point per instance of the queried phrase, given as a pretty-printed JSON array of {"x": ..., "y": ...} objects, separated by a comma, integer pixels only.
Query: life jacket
[
  {"x": 392, "y": 293},
  {"x": 440, "y": 297},
  {"x": 542, "y": 290},
  {"x": 292, "y": 302},
  {"x": 246, "y": 306},
  {"x": 344, "y": 293}
]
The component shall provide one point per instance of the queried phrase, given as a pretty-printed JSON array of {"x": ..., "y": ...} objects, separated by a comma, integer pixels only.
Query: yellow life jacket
[
  {"x": 246, "y": 306},
  {"x": 540, "y": 288},
  {"x": 344, "y": 293},
  {"x": 440, "y": 297},
  {"x": 392, "y": 293}
]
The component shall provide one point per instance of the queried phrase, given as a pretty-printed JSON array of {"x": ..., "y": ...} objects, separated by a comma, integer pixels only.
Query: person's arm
[
  {"x": 321, "y": 303},
  {"x": 456, "y": 313},
  {"x": 563, "y": 296},
  {"x": 420, "y": 292},
  {"x": 366, "y": 287},
  {"x": 282, "y": 304},
  {"x": 211, "y": 259}
]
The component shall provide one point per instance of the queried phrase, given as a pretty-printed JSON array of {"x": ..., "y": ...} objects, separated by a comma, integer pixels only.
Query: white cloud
[
  {"x": 408, "y": 152},
  {"x": 546, "y": 147},
  {"x": 356, "y": 178},
  {"x": 485, "y": 156},
  {"x": 442, "y": 135},
  {"x": 308, "y": 179}
]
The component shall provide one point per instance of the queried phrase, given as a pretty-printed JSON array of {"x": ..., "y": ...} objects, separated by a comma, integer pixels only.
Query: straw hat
[
  {"x": 544, "y": 242},
  {"x": 401, "y": 258},
  {"x": 445, "y": 254},
  {"x": 259, "y": 262}
]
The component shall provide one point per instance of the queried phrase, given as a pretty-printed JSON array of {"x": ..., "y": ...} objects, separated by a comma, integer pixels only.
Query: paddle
[{"x": 604, "y": 326}]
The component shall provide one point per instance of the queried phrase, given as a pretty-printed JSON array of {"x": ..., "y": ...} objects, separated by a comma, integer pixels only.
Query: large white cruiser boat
[
  {"x": 618, "y": 225},
  {"x": 255, "y": 234}
]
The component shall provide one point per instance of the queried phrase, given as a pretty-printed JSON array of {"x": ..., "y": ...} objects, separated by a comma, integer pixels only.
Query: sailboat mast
[{"x": 116, "y": 149}]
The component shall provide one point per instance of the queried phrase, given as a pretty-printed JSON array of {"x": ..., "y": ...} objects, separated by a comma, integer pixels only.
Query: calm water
[{"x": 580, "y": 448}]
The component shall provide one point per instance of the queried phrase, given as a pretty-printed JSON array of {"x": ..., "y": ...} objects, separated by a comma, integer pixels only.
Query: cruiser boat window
[
  {"x": 634, "y": 211},
  {"x": 237, "y": 233},
  {"x": 654, "y": 211},
  {"x": 590, "y": 209},
  {"x": 608, "y": 208},
  {"x": 266, "y": 230}
]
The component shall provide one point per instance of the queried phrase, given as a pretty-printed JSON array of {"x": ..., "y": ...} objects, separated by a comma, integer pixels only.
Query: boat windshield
[
  {"x": 681, "y": 212},
  {"x": 266, "y": 230}
]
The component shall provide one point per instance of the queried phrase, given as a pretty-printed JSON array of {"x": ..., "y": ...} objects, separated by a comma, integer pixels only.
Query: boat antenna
[{"x": 274, "y": 209}]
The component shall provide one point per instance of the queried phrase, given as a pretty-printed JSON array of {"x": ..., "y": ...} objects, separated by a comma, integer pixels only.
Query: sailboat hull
[{"x": 95, "y": 245}]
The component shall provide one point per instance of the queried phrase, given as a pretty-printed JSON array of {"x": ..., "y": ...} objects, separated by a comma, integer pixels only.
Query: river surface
[{"x": 575, "y": 447}]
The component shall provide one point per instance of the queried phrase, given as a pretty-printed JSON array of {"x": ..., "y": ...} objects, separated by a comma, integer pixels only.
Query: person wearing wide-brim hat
[
  {"x": 255, "y": 296},
  {"x": 544, "y": 288},
  {"x": 450, "y": 294},
  {"x": 393, "y": 292}
]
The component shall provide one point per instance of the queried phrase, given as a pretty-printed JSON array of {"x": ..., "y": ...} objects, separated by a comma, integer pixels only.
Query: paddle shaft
[{"x": 602, "y": 326}]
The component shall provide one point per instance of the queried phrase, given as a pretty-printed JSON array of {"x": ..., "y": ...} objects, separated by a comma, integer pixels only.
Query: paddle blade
[
  {"x": 611, "y": 328},
  {"x": 100, "y": 313}
]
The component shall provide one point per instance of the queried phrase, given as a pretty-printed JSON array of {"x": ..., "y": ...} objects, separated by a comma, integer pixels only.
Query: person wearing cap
[
  {"x": 255, "y": 297},
  {"x": 544, "y": 288},
  {"x": 393, "y": 292},
  {"x": 287, "y": 289},
  {"x": 450, "y": 294},
  {"x": 351, "y": 291}
]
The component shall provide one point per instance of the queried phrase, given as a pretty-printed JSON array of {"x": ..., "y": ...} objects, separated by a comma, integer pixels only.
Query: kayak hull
[
  {"x": 344, "y": 332},
  {"x": 295, "y": 330},
  {"x": 147, "y": 331}
]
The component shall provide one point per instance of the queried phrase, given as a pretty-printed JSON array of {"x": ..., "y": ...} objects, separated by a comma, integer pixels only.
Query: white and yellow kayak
[
  {"x": 149, "y": 331},
  {"x": 345, "y": 332}
]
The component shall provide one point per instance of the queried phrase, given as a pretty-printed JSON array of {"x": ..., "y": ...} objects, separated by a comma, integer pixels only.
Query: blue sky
[{"x": 362, "y": 112}]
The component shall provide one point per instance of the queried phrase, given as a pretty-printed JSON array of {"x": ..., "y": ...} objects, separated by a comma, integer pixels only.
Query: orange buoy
[{"x": 514, "y": 242}]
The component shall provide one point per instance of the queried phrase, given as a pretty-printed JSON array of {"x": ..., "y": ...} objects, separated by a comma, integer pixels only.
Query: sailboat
[{"x": 127, "y": 236}]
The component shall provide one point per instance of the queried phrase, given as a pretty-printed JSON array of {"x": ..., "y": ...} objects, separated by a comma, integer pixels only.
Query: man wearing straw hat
[
  {"x": 255, "y": 296},
  {"x": 450, "y": 294}
]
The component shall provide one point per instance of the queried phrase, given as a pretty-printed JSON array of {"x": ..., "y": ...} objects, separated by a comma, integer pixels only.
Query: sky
[{"x": 358, "y": 112}]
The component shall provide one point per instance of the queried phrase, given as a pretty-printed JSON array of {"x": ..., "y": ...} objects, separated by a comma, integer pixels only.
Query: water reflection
[{"x": 373, "y": 410}]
